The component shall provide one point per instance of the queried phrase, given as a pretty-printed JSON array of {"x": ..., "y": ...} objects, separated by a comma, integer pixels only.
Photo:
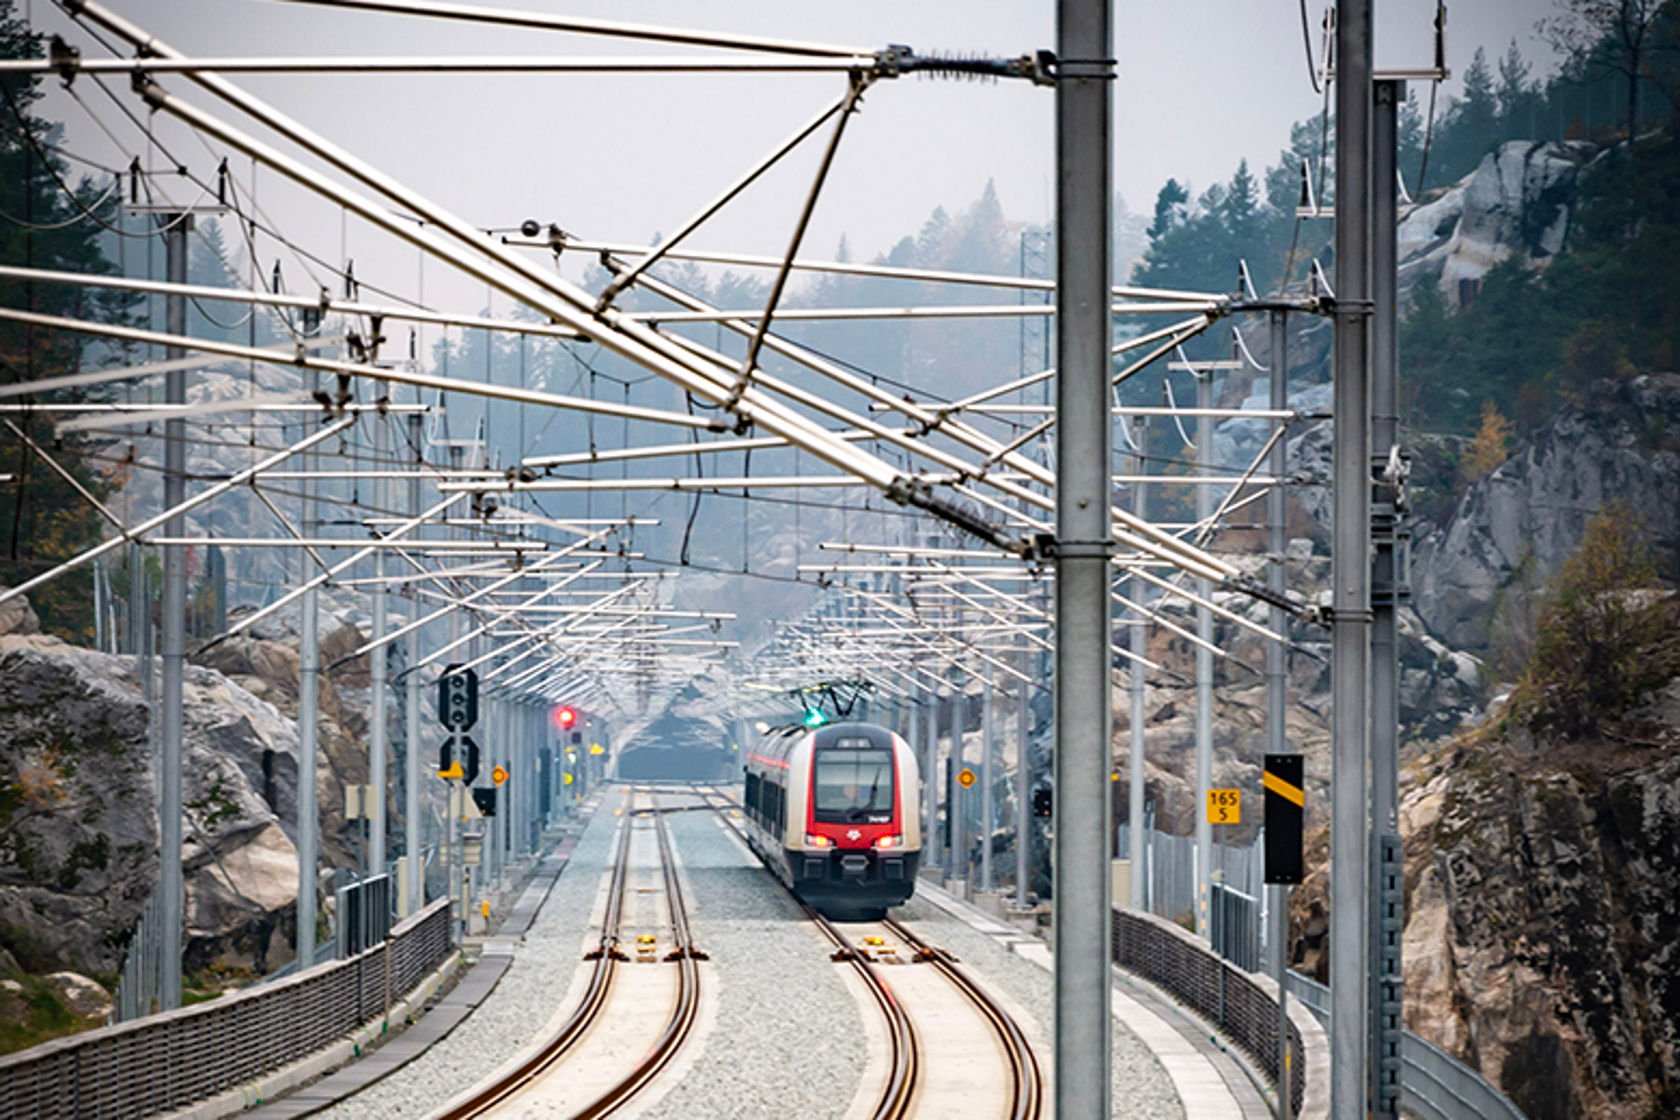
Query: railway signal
[
  {"x": 485, "y": 800},
  {"x": 457, "y": 703},
  {"x": 458, "y": 759},
  {"x": 565, "y": 717}
]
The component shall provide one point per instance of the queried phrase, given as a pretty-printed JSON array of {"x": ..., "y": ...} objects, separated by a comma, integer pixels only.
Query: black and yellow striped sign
[{"x": 1286, "y": 809}]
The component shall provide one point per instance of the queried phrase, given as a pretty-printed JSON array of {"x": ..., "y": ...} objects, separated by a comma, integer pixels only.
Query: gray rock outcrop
[
  {"x": 1543, "y": 932},
  {"x": 1527, "y": 516},
  {"x": 1517, "y": 204},
  {"x": 78, "y": 833},
  {"x": 79, "y": 838}
]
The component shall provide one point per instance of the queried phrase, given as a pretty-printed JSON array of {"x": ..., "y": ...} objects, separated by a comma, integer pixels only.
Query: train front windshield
[{"x": 854, "y": 784}]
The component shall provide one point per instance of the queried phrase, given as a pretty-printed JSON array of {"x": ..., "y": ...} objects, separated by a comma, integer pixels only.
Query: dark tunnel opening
[{"x": 677, "y": 764}]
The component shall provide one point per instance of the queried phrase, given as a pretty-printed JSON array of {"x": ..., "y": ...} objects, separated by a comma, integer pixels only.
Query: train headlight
[
  {"x": 812, "y": 841},
  {"x": 889, "y": 841}
]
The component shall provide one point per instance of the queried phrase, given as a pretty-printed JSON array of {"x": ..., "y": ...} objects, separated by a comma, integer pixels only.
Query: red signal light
[{"x": 565, "y": 717}]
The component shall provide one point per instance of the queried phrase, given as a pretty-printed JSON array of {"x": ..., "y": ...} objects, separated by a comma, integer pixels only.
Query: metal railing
[
  {"x": 137, "y": 986},
  {"x": 362, "y": 915},
  {"x": 165, "y": 1062},
  {"x": 1168, "y": 866},
  {"x": 1220, "y": 993},
  {"x": 1234, "y": 927},
  {"x": 1433, "y": 1084}
]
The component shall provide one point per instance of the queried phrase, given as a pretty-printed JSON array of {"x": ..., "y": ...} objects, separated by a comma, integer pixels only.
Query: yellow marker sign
[
  {"x": 596, "y": 748},
  {"x": 1224, "y": 806},
  {"x": 1286, "y": 790},
  {"x": 499, "y": 775},
  {"x": 965, "y": 777},
  {"x": 454, "y": 771},
  {"x": 565, "y": 779}
]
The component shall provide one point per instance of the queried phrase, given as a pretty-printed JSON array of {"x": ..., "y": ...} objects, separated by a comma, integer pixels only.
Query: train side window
[{"x": 752, "y": 794}]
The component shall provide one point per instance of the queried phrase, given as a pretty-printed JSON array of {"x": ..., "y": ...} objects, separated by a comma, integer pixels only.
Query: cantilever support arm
[
  {"x": 191, "y": 503},
  {"x": 858, "y": 82}
]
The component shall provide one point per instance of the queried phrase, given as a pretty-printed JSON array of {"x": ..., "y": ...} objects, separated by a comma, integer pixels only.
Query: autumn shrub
[{"x": 1604, "y": 637}]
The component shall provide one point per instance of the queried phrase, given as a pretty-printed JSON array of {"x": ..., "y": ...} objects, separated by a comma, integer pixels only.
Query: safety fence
[
  {"x": 1168, "y": 866},
  {"x": 137, "y": 985},
  {"x": 1433, "y": 1084},
  {"x": 1242, "y": 1005},
  {"x": 362, "y": 915},
  {"x": 165, "y": 1062}
]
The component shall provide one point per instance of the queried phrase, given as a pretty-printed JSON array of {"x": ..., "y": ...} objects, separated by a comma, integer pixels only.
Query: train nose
[{"x": 854, "y": 867}]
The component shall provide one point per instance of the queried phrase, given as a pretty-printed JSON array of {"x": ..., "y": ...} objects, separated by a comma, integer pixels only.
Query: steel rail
[
  {"x": 683, "y": 1015},
  {"x": 905, "y": 1048},
  {"x": 606, "y": 956},
  {"x": 1025, "y": 1076}
]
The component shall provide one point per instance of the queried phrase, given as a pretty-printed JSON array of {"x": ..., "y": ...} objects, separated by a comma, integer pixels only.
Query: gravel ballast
[
  {"x": 512, "y": 1015},
  {"x": 789, "y": 1036},
  {"x": 1141, "y": 1086}
]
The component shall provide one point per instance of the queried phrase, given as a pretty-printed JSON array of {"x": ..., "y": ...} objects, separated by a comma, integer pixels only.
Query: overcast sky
[{"x": 1201, "y": 84}]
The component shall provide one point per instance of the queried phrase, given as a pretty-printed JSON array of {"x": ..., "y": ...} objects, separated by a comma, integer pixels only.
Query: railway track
[
  {"x": 607, "y": 961},
  {"x": 907, "y": 1062}
]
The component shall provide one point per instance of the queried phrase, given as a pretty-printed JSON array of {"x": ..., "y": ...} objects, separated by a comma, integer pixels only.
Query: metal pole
[
  {"x": 490, "y": 743},
  {"x": 413, "y": 842},
  {"x": 137, "y": 620},
  {"x": 457, "y": 789},
  {"x": 1386, "y": 896},
  {"x": 1023, "y": 782},
  {"x": 513, "y": 790},
  {"x": 957, "y": 809},
  {"x": 172, "y": 886},
  {"x": 1204, "y": 667},
  {"x": 379, "y": 733},
  {"x": 309, "y": 668},
  {"x": 1351, "y": 570},
  {"x": 1277, "y": 694},
  {"x": 1084, "y": 43},
  {"x": 1138, "y": 641},
  {"x": 988, "y": 747},
  {"x": 930, "y": 737}
]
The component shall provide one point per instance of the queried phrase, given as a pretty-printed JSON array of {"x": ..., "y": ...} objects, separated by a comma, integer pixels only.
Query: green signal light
[{"x": 814, "y": 717}]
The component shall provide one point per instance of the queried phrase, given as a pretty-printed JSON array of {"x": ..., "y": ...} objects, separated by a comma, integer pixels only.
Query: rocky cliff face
[
  {"x": 267, "y": 668},
  {"x": 78, "y": 814},
  {"x": 1513, "y": 529},
  {"x": 1543, "y": 927},
  {"x": 1516, "y": 204}
]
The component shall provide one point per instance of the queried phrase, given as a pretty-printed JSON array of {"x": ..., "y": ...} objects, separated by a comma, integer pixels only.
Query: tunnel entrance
[{"x": 676, "y": 764}]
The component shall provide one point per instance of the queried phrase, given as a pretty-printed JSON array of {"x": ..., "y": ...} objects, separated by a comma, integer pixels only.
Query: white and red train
[{"x": 833, "y": 812}]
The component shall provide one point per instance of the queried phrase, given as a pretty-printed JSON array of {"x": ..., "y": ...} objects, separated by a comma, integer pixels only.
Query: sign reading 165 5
[{"x": 1224, "y": 806}]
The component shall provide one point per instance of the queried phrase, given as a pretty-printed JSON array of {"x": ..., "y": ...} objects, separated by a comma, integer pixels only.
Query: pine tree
[
  {"x": 49, "y": 223},
  {"x": 1516, "y": 97},
  {"x": 1169, "y": 209},
  {"x": 1613, "y": 37},
  {"x": 1240, "y": 210}
]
